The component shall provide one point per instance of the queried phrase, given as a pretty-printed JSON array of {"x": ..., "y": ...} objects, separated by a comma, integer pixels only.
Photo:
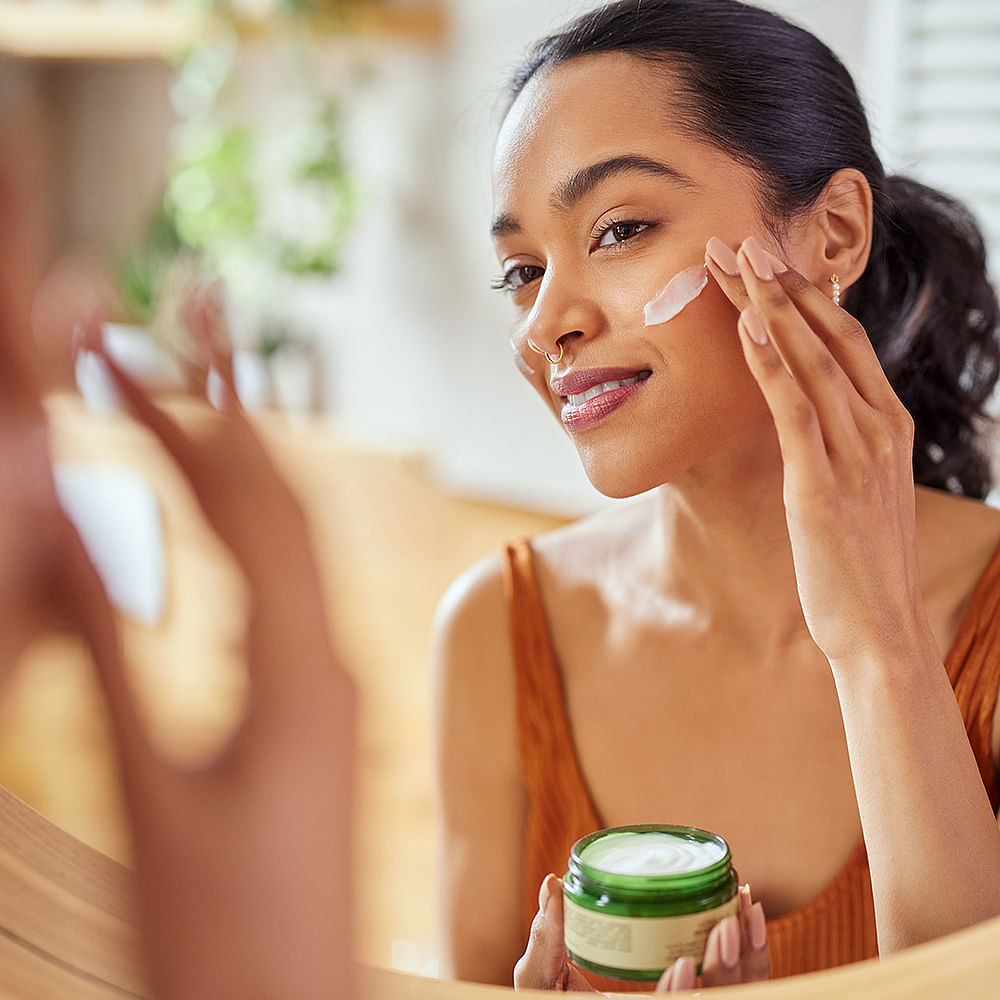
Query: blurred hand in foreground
[{"x": 243, "y": 864}]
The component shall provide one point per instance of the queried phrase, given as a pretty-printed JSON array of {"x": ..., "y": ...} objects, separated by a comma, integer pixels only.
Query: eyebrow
[{"x": 580, "y": 184}]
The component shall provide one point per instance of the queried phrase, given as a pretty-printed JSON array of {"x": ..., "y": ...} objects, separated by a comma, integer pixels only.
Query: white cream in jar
[{"x": 652, "y": 854}]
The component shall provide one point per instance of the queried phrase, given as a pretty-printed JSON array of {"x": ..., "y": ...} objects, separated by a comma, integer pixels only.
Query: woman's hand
[
  {"x": 243, "y": 864},
  {"x": 736, "y": 951},
  {"x": 846, "y": 443}
]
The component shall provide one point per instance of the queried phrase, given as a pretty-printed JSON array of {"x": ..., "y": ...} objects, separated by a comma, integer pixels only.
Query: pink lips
[{"x": 578, "y": 416}]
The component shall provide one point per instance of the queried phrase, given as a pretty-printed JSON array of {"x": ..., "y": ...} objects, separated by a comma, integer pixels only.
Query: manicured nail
[
  {"x": 764, "y": 263},
  {"x": 729, "y": 946},
  {"x": 753, "y": 254},
  {"x": 758, "y": 927},
  {"x": 722, "y": 257},
  {"x": 685, "y": 973},
  {"x": 745, "y": 901},
  {"x": 545, "y": 892},
  {"x": 216, "y": 390},
  {"x": 753, "y": 326},
  {"x": 777, "y": 264}
]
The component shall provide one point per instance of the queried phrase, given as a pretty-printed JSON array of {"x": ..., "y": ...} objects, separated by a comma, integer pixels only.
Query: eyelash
[
  {"x": 612, "y": 224},
  {"x": 504, "y": 283}
]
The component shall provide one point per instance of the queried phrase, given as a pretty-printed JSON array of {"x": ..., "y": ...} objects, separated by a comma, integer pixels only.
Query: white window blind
[{"x": 946, "y": 102}]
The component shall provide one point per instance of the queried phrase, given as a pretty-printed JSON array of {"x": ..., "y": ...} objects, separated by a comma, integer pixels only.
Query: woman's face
[{"x": 599, "y": 200}]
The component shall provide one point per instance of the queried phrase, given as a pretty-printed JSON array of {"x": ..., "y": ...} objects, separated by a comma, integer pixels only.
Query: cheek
[
  {"x": 521, "y": 363},
  {"x": 533, "y": 367}
]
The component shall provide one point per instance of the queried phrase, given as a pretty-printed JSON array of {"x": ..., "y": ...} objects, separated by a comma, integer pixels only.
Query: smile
[
  {"x": 591, "y": 404},
  {"x": 579, "y": 398}
]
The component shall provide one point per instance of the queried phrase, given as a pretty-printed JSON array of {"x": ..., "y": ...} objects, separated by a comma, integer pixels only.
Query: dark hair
[{"x": 774, "y": 97}]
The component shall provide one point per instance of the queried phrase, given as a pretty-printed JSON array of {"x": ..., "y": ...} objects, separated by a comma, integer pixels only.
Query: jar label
[{"x": 639, "y": 944}]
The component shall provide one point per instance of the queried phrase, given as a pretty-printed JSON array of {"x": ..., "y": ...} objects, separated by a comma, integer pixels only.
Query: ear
[{"x": 837, "y": 236}]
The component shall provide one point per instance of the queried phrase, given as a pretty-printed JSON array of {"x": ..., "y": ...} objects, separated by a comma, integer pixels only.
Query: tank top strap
[
  {"x": 544, "y": 730},
  {"x": 559, "y": 807},
  {"x": 973, "y": 666}
]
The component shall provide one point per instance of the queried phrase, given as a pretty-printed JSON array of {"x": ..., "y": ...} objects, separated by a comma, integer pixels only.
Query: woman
[{"x": 783, "y": 639}]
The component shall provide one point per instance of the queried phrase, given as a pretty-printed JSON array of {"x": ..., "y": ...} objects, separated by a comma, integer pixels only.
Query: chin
[{"x": 621, "y": 475}]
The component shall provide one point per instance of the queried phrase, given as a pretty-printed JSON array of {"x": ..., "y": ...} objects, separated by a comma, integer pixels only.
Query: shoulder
[
  {"x": 473, "y": 660},
  {"x": 955, "y": 531},
  {"x": 473, "y": 605},
  {"x": 958, "y": 539}
]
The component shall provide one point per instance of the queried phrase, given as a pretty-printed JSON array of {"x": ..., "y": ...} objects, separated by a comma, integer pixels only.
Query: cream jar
[{"x": 636, "y": 898}]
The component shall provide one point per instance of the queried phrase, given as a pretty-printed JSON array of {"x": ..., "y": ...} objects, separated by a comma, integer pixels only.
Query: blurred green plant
[
  {"x": 141, "y": 270},
  {"x": 259, "y": 206}
]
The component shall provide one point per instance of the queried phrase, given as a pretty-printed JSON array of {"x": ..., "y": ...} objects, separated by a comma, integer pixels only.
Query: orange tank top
[{"x": 833, "y": 928}]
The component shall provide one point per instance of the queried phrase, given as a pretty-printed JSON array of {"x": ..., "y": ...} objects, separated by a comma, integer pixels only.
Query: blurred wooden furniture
[
  {"x": 66, "y": 915},
  {"x": 66, "y": 934}
]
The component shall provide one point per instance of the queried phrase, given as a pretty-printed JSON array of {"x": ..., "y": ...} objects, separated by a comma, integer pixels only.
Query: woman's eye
[
  {"x": 517, "y": 277},
  {"x": 621, "y": 232}
]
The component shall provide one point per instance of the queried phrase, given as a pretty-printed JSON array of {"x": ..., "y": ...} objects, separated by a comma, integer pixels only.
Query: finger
[
  {"x": 805, "y": 355},
  {"x": 682, "y": 975},
  {"x": 147, "y": 412},
  {"x": 799, "y": 433},
  {"x": 543, "y": 965},
  {"x": 721, "y": 964},
  {"x": 843, "y": 335},
  {"x": 721, "y": 262},
  {"x": 755, "y": 958},
  {"x": 204, "y": 315}
]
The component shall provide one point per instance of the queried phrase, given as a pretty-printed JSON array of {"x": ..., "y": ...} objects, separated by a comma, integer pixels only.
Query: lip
[{"x": 599, "y": 408}]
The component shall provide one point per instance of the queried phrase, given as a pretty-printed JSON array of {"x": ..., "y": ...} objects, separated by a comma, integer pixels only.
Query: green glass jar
[{"x": 636, "y": 898}]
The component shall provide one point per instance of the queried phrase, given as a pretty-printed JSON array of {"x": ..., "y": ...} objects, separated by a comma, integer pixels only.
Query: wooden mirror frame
[{"x": 67, "y": 933}]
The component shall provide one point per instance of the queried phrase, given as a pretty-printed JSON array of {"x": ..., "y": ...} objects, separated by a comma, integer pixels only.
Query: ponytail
[{"x": 932, "y": 315}]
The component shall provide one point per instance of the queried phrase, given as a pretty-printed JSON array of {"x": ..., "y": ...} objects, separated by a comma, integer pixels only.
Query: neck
[{"x": 723, "y": 542}]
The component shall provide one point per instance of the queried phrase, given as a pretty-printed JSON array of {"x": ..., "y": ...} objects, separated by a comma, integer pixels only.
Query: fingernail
[
  {"x": 722, "y": 257},
  {"x": 545, "y": 892},
  {"x": 745, "y": 901},
  {"x": 754, "y": 326},
  {"x": 685, "y": 973},
  {"x": 729, "y": 946},
  {"x": 77, "y": 337},
  {"x": 758, "y": 927},
  {"x": 216, "y": 390},
  {"x": 764, "y": 263},
  {"x": 777, "y": 264}
]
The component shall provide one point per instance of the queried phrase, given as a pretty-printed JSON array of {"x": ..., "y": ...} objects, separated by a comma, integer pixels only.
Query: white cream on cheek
[
  {"x": 681, "y": 290},
  {"x": 651, "y": 854}
]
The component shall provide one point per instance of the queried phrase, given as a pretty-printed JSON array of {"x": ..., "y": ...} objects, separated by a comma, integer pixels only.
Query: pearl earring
[{"x": 835, "y": 281}]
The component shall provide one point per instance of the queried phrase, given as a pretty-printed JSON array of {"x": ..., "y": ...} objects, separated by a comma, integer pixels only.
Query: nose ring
[{"x": 548, "y": 357}]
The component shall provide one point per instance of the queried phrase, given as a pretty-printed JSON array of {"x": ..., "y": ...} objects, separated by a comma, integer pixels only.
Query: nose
[{"x": 559, "y": 319}]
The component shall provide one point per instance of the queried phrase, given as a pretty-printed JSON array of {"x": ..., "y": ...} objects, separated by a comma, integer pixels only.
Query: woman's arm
[
  {"x": 846, "y": 442},
  {"x": 481, "y": 800}
]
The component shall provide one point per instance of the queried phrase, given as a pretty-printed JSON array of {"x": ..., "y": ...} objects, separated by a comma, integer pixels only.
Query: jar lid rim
[{"x": 685, "y": 832}]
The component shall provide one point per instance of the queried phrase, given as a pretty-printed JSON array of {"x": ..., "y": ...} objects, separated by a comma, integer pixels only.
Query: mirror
[{"x": 436, "y": 341}]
